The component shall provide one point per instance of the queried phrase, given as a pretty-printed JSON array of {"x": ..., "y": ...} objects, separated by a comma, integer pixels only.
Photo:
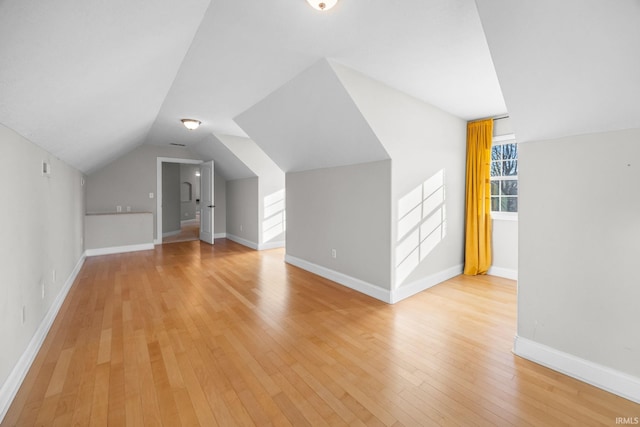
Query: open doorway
[{"x": 178, "y": 201}]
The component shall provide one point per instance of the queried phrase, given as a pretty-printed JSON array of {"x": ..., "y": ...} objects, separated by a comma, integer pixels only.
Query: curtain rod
[{"x": 501, "y": 117}]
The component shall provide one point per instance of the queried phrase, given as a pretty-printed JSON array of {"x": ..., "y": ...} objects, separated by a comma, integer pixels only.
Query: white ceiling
[
  {"x": 566, "y": 67},
  {"x": 85, "y": 79},
  {"x": 90, "y": 80}
]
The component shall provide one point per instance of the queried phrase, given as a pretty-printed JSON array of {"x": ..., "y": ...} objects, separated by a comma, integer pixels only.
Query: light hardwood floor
[
  {"x": 191, "y": 334},
  {"x": 189, "y": 231}
]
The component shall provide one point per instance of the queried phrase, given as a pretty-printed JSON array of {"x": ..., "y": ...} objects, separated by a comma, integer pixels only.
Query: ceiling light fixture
[
  {"x": 322, "y": 4},
  {"x": 191, "y": 124}
]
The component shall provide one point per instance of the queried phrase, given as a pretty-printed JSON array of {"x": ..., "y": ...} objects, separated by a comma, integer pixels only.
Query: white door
[{"x": 206, "y": 202}]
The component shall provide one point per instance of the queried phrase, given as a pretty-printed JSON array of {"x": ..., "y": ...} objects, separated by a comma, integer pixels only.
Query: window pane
[
  {"x": 509, "y": 187},
  {"x": 495, "y": 204},
  {"x": 496, "y": 168},
  {"x": 495, "y": 188},
  {"x": 510, "y": 168},
  {"x": 496, "y": 152},
  {"x": 509, "y": 204},
  {"x": 510, "y": 151}
]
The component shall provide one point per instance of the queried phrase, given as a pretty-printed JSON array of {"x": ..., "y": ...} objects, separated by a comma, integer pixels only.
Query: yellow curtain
[{"x": 478, "y": 210}]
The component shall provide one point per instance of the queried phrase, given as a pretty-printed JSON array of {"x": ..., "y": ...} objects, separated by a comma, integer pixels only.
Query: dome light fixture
[
  {"x": 322, "y": 4},
  {"x": 191, "y": 124}
]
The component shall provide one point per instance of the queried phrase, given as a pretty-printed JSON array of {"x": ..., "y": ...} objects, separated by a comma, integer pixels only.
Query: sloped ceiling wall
[
  {"x": 85, "y": 80},
  {"x": 227, "y": 164},
  {"x": 566, "y": 68},
  {"x": 310, "y": 123}
]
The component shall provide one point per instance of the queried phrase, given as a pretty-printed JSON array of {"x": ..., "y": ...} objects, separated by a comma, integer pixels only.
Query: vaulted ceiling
[
  {"x": 89, "y": 81},
  {"x": 566, "y": 67}
]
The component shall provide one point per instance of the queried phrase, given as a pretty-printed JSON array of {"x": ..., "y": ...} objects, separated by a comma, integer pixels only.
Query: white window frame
[{"x": 506, "y": 216}]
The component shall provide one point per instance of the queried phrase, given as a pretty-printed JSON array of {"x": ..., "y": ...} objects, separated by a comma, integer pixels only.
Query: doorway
[{"x": 177, "y": 204}]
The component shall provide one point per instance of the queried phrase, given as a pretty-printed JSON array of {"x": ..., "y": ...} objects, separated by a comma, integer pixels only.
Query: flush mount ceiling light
[
  {"x": 191, "y": 124},
  {"x": 322, "y": 4}
]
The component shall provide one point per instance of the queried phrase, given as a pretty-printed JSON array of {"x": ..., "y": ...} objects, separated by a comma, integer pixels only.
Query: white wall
[
  {"x": 42, "y": 231},
  {"x": 117, "y": 231},
  {"x": 220, "y": 213},
  {"x": 344, "y": 208},
  {"x": 579, "y": 230},
  {"x": 505, "y": 248},
  {"x": 426, "y": 145},
  {"x": 242, "y": 211},
  {"x": 127, "y": 181}
]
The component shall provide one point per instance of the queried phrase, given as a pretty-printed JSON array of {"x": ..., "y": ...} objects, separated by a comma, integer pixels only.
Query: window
[{"x": 504, "y": 176}]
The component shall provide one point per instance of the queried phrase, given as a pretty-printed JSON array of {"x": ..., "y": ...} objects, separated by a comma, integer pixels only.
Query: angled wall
[
  {"x": 271, "y": 190},
  {"x": 427, "y": 147},
  {"x": 312, "y": 130},
  {"x": 407, "y": 157},
  {"x": 310, "y": 123}
]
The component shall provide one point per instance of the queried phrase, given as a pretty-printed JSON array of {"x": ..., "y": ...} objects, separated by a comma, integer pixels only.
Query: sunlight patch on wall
[
  {"x": 421, "y": 224},
  {"x": 274, "y": 218}
]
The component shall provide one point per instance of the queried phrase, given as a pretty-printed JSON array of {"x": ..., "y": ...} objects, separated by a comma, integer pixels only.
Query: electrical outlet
[
  {"x": 42, "y": 289},
  {"x": 53, "y": 276},
  {"x": 151, "y": 195},
  {"x": 118, "y": 208},
  {"x": 24, "y": 314},
  {"x": 128, "y": 208},
  {"x": 333, "y": 253},
  {"x": 241, "y": 228}
]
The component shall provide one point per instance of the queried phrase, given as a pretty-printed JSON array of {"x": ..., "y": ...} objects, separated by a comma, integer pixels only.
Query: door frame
[{"x": 159, "y": 161}]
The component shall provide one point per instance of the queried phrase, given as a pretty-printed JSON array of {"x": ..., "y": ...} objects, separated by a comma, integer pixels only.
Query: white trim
[
  {"x": 405, "y": 291},
  {"x": 119, "y": 249},
  {"x": 171, "y": 233},
  {"x": 600, "y": 376},
  {"x": 507, "y": 273},
  {"x": 242, "y": 241},
  {"x": 350, "y": 282},
  {"x": 271, "y": 245},
  {"x": 220, "y": 236},
  {"x": 159, "y": 161},
  {"x": 189, "y": 221},
  {"x": 503, "y": 139},
  {"x": 504, "y": 216},
  {"x": 13, "y": 382}
]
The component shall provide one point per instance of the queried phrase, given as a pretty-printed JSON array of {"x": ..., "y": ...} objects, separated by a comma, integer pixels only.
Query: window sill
[{"x": 504, "y": 216}]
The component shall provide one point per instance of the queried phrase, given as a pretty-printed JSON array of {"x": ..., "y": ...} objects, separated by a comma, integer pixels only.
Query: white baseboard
[
  {"x": 405, "y": 291},
  {"x": 600, "y": 376},
  {"x": 348, "y": 281},
  {"x": 13, "y": 382},
  {"x": 242, "y": 241},
  {"x": 119, "y": 249},
  {"x": 220, "y": 236},
  {"x": 507, "y": 273},
  {"x": 271, "y": 245},
  {"x": 189, "y": 221},
  {"x": 171, "y": 233}
]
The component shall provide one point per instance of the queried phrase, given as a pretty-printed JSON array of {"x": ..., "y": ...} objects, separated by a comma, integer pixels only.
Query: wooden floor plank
[{"x": 194, "y": 334}]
